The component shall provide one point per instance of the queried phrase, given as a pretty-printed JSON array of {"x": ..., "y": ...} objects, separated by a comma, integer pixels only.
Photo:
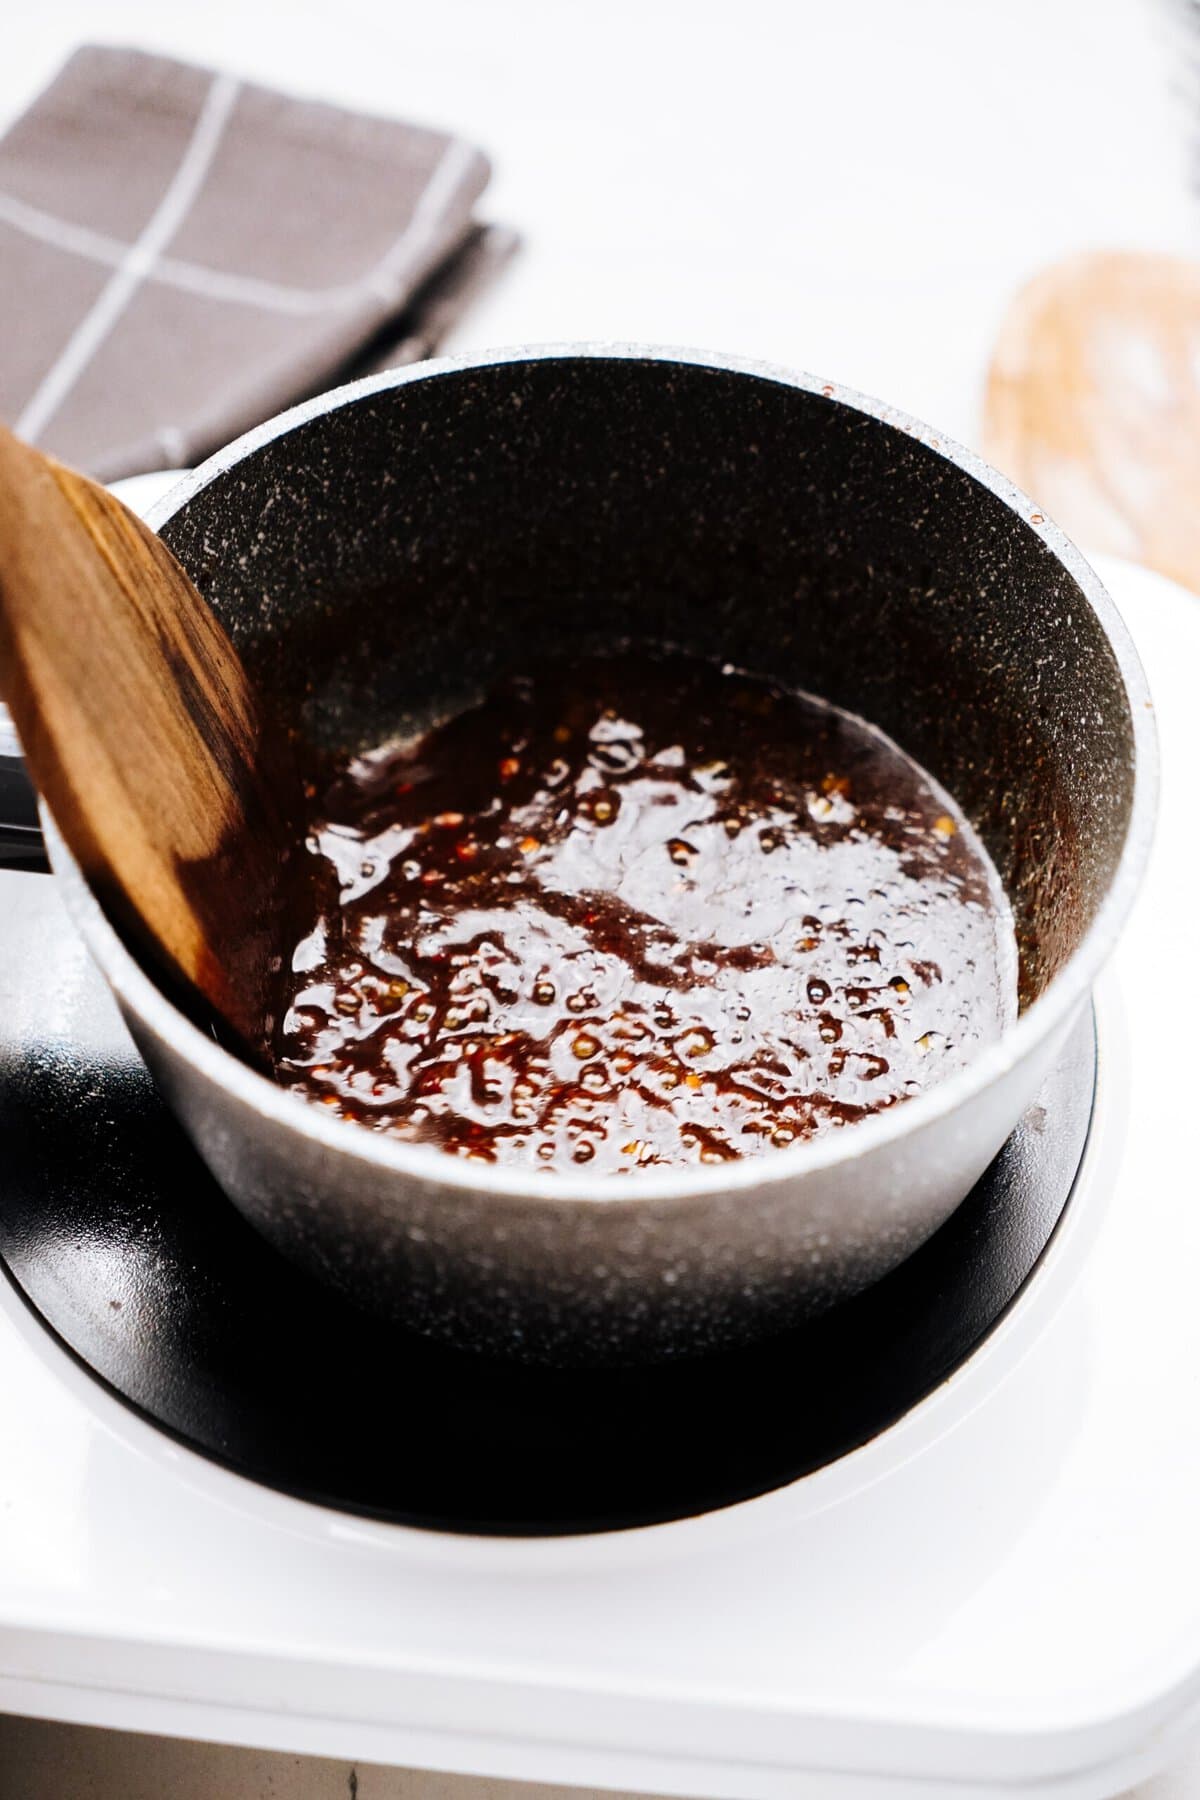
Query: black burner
[{"x": 115, "y": 1235}]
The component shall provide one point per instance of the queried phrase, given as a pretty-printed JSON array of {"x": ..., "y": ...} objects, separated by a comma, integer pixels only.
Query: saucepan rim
[{"x": 431, "y": 1166}]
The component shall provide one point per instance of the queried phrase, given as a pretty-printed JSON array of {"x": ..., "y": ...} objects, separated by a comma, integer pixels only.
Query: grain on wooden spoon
[
  {"x": 1093, "y": 404},
  {"x": 142, "y": 732}
]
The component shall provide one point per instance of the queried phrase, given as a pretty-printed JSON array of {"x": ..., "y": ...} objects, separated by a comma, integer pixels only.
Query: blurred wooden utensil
[
  {"x": 140, "y": 728},
  {"x": 1093, "y": 404}
]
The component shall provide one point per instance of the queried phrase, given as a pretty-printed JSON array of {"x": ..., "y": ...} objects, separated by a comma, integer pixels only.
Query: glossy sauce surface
[{"x": 638, "y": 911}]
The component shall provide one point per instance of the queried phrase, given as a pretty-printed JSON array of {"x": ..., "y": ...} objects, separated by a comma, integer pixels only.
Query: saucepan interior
[{"x": 382, "y": 563}]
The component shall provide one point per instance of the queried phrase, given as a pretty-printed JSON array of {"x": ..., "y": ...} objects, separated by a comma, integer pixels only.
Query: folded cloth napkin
[{"x": 182, "y": 254}]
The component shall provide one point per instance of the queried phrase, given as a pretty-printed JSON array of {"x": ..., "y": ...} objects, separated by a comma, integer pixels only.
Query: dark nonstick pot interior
[{"x": 385, "y": 559}]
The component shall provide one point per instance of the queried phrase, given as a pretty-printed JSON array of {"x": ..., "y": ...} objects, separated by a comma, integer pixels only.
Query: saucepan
[{"x": 383, "y": 553}]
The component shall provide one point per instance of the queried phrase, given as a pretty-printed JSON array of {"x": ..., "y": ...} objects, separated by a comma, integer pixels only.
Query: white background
[{"x": 852, "y": 186}]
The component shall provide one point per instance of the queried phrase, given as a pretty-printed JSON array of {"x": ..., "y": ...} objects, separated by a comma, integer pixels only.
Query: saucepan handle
[{"x": 20, "y": 833}]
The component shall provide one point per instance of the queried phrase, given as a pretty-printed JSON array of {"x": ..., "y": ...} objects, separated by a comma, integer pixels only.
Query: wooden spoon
[
  {"x": 1093, "y": 404},
  {"x": 140, "y": 728}
]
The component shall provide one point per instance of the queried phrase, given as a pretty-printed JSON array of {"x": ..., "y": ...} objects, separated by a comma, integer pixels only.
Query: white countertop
[{"x": 855, "y": 189}]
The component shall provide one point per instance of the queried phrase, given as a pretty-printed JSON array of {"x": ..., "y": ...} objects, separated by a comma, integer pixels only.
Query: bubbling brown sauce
[{"x": 636, "y": 911}]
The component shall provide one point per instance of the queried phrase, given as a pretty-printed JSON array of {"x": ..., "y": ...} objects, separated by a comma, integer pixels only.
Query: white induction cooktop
[{"x": 1000, "y": 1595}]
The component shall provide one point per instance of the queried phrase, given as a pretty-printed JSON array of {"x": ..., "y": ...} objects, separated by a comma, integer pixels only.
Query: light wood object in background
[{"x": 1093, "y": 405}]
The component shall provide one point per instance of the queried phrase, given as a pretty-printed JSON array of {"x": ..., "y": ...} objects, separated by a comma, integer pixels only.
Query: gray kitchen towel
[{"x": 182, "y": 254}]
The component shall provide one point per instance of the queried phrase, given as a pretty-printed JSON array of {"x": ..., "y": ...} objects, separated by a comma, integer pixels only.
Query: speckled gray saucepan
[{"x": 382, "y": 553}]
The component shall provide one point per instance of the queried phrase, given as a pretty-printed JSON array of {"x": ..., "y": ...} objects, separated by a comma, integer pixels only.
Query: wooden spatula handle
[{"x": 141, "y": 730}]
